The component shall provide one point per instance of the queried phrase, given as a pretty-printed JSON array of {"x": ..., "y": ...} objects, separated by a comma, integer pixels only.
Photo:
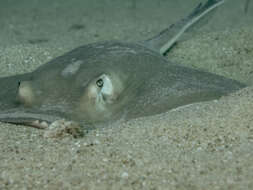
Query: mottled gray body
[{"x": 103, "y": 82}]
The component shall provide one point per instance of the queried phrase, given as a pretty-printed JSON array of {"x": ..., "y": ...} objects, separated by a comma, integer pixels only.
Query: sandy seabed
[{"x": 206, "y": 145}]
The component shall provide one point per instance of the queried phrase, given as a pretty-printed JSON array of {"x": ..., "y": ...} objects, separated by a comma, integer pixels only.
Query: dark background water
[{"x": 78, "y": 22}]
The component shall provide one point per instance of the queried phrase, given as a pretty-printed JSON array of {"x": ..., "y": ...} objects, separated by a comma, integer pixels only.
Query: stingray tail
[
  {"x": 168, "y": 37},
  {"x": 246, "y": 6}
]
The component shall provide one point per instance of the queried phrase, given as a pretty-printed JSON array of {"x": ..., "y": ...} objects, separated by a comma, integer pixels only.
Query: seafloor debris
[{"x": 62, "y": 128}]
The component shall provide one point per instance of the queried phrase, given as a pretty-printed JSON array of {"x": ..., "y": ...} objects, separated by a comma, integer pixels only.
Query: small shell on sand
[{"x": 62, "y": 128}]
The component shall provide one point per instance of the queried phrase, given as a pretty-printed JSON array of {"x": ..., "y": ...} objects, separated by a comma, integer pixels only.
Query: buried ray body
[{"x": 103, "y": 82}]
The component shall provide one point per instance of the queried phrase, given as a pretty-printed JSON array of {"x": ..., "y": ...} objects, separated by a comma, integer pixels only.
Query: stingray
[{"x": 100, "y": 83}]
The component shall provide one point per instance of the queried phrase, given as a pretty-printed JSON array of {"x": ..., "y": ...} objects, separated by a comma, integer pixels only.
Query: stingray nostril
[{"x": 25, "y": 93}]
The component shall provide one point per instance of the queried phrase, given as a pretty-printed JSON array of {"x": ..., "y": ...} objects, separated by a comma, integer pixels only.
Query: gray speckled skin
[{"x": 103, "y": 82}]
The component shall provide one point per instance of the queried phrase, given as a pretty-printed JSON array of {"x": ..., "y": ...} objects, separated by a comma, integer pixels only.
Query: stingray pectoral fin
[
  {"x": 37, "y": 120},
  {"x": 54, "y": 126}
]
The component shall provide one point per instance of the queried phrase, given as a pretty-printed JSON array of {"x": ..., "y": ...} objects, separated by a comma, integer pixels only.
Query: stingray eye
[
  {"x": 100, "y": 83},
  {"x": 19, "y": 83}
]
